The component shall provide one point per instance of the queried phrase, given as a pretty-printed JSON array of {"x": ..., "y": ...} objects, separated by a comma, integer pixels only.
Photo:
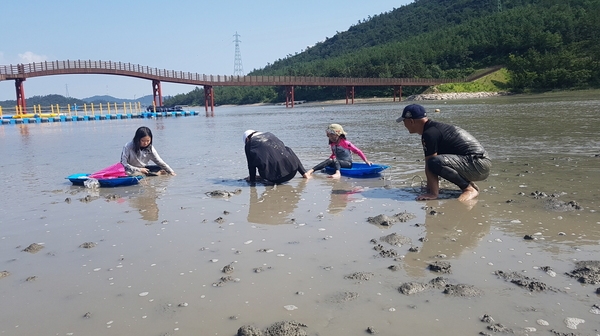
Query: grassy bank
[{"x": 494, "y": 82}]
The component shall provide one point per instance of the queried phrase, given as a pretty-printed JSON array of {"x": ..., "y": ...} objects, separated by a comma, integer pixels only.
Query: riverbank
[
  {"x": 552, "y": 95},
  {"x": 419, "y": 97},
  {"x": 455, "y": 95}
]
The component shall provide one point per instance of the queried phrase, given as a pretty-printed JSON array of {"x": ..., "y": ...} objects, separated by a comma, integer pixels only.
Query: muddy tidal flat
[{"x": 204, "y": 253}]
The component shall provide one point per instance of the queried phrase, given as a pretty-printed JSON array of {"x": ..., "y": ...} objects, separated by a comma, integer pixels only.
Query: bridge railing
[
  {"x": 89, "y": 66},
  {"x": 109, "y": 108}
]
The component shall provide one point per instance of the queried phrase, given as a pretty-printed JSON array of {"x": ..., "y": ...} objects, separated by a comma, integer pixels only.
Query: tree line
[{"x": 543, "y": 44}]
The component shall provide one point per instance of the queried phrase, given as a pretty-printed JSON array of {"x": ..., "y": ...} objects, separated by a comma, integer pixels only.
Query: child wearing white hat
[{"x": 341, "y": 152}]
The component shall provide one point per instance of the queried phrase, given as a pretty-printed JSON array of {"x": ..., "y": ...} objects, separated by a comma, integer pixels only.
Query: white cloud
[{"x": 29, "y": 57}]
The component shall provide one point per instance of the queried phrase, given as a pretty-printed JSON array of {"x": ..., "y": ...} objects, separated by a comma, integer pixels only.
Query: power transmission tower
[
  {"x": 499, "y": 5},
  {"x": 238, "y": 69},
  {"x": 67, "y": 90}
]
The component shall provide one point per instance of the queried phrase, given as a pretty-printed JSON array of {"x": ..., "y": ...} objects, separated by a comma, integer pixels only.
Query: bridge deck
[{"x": 23, "y": 71}]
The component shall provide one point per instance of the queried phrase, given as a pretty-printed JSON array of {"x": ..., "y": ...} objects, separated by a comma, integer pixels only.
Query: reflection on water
[
  {"x": 144, "y": 200},
  {"x": 24, "y": 130},
  {"x": 449, "y": 230},
  {"x": 145, "y": 203},
  {"x": 276, "y": 204},
  {"x": 342, "y": 193}
]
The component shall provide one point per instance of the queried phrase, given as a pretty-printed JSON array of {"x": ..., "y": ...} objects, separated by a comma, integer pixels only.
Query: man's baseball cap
[{"x": 413, "y": 111}]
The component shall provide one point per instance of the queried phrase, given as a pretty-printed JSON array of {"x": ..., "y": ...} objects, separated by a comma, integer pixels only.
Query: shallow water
[{"x": 161, "y": 236}]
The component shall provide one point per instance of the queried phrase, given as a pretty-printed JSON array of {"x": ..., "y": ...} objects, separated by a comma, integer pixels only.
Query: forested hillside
[
  {"x": 544, "y": 45},
  {"x": 53, "y": 99}
]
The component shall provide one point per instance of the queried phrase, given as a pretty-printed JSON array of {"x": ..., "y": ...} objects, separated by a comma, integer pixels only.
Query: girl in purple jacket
[{"x": 341, "y": 152}]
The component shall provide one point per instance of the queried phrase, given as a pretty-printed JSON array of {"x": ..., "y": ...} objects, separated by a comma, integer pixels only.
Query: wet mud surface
[{"x": 205, "y": 253}]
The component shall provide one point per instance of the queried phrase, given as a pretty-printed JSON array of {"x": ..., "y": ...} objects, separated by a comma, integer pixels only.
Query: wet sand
[{"x": 166, "y": 258}]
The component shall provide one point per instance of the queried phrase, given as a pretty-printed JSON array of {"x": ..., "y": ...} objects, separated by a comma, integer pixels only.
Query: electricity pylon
[{"x": 238, "y": 69}]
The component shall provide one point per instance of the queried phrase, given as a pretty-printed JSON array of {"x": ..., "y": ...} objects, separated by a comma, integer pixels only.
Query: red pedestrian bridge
[{"x": 20, "y": 72}]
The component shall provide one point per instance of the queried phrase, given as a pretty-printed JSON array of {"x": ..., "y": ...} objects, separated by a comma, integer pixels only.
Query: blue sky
[{"x": 184, "y": 35}]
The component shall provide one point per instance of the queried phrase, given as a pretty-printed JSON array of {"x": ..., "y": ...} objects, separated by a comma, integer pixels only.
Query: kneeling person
[{"x": 274, "y": 161}]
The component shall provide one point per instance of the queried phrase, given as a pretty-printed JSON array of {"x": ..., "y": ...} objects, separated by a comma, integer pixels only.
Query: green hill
[{"x": 543, "y": 45}]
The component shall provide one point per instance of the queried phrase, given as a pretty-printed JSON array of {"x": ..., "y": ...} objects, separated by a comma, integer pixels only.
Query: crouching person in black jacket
[{"x": 274, "y": 161}]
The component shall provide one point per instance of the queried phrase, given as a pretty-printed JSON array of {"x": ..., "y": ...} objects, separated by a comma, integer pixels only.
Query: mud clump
[
  {"x": 88, "y": 199},
  {"x": 343, "y": 297},
  {"x": 383, "y": 220},
  {"x": 487, "y": 319},
  {"x": 587, "y": 272},
  {"x": 462, "y": 290},
  {"x": 371, "y": 331},
  {"x": 223, "y": 281},
  {"x": 223, "y": 193},
  {"x": 499, "y": 328},
  {"x": 249, "y": 330},
  {"x": 404, "y": 216},
  {"x": 112, "y": 197},
  {"x": 539, "y": 194},
  {"x": 286, "y": 328},
  {"x": 87, "y": 245},
  {"x": 386, "y": 253},
  {"x": 360, "y": 276},
  {"x": 459, "y": 290},
  {"x": 283, "y": 328},
  {"x": 525, "y": 282},
  {"x": 554, "y": 204},
  {"x": 409, "y": 288},
  {"x": 33, "y": 248},
  {"x": 440, "y": 267},
  {"x": 227, "y": 269},
  {"x": 396, "y": 239}
]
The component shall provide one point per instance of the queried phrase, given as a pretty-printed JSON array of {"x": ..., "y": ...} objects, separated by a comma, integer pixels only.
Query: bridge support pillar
[
  {"x": 20, "y": 90},
  {"x": 350, "y": 93},
  {"x": 209, "y": 99},
  {"x": 398, "y": 90},
  {"x": 289, "y": 96},
  {"x": 157, "y": 93}
]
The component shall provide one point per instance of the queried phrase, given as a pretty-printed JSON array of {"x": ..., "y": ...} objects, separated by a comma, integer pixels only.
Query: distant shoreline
[
  {"x": 455, "y": 95},
  {"x": 419, "y": 97},
  {"x": 438, "y": 97}
]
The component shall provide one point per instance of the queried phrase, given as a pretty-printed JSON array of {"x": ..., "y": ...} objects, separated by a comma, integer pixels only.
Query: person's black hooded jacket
[{"x": 275, "y": 162}]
